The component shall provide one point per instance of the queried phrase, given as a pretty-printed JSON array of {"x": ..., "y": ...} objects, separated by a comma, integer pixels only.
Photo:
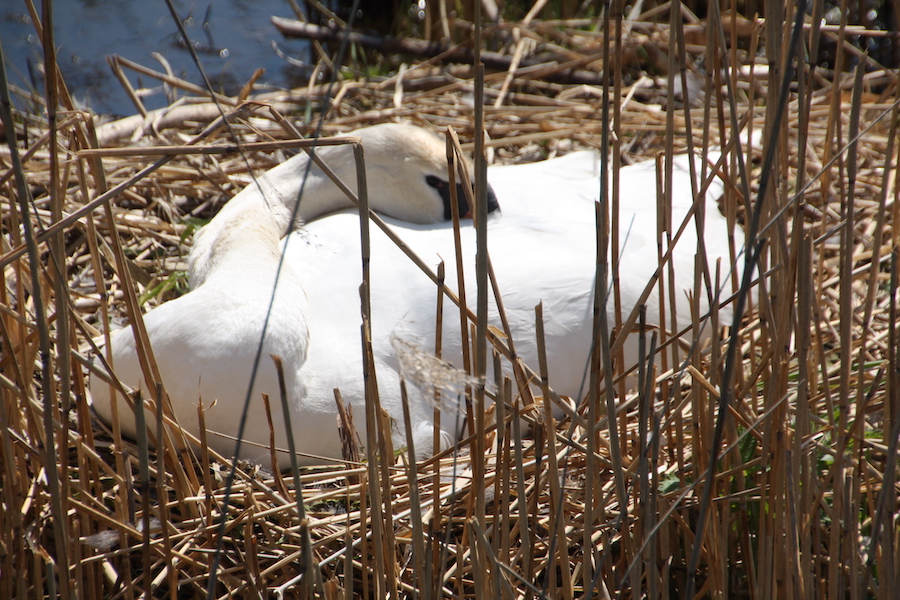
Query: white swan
[
  {"x": 206, "y": 341},
  {"x": 542, "y": 248}
]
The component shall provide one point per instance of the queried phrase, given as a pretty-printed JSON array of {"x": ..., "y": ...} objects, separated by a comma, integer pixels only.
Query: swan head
[
  {"x": 406, "y": 178},
  {"x": 406, "y": 174}
]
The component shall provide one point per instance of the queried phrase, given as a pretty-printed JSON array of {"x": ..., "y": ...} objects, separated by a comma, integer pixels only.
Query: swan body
[
  {"x": 542, "y": 249},
  {"x": 206, "y": 341}
]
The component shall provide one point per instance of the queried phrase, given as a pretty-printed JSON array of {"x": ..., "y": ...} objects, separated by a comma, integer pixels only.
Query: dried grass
[{"x": 804, "y": 496}]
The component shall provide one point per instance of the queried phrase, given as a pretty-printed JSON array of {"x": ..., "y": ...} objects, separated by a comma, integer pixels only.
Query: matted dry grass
[{"x": 804, "y": 500}]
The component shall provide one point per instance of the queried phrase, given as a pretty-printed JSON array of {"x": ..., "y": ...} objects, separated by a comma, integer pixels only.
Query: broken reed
[{"x": 808, "y": 458}]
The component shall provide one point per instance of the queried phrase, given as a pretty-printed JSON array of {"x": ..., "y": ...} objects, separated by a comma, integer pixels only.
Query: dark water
[{"x": 237, "y": 40}]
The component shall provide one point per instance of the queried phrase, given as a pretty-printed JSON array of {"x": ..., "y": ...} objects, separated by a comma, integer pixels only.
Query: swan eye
[
  {"x": 435, "y": 182},
  {"x": 443, "y": 188}
]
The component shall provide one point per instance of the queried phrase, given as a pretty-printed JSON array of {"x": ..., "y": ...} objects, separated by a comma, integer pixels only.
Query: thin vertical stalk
[
  {"x": 615, "y": 446},
  {"x": 310, "y": 572},
  {"x": 557, "y": 559},
  {"x": 60, "y": 292},
  {"x": 803, "y": 488},
  {"x": 412, "y": 479},
  {"x": 482, "y": 582},
  {"x": 884, "y": 523},
  {"x": 432, "y": 567},
  {"x": 140, "y": 425},
  {"x": 839, "y": 544},
  {"x": 457, "y": 245},
  {"x": 526, "y": 531},
  {"x": 42, "y": 325},
  {"x": 614, "y": 68},
  {"x": 376, "y": 446}
]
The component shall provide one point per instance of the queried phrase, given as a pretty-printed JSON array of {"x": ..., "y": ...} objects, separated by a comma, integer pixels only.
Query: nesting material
[{"x": 528, "y": 502}]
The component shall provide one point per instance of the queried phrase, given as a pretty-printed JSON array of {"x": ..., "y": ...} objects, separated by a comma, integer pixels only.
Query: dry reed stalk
[{"x": 808, "y": 457}]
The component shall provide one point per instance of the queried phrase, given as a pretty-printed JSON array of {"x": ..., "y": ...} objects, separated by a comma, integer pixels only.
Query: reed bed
[{"x": 616, "y": 499}]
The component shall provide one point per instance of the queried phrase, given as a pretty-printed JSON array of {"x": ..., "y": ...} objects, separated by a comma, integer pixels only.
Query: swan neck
[
  {"x": 298, "y": 178},
  {"x": 266, "y": 210}
]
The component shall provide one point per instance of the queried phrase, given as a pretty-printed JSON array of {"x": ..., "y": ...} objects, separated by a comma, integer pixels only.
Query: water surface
[{"x": 237, "y": 41}]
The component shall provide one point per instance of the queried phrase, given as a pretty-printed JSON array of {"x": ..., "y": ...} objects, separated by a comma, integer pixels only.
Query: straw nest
[{"x": 804, "y": 497}]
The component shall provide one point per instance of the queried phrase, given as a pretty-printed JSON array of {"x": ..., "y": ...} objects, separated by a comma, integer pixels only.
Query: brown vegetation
[{"x": 803, "y": 503}]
